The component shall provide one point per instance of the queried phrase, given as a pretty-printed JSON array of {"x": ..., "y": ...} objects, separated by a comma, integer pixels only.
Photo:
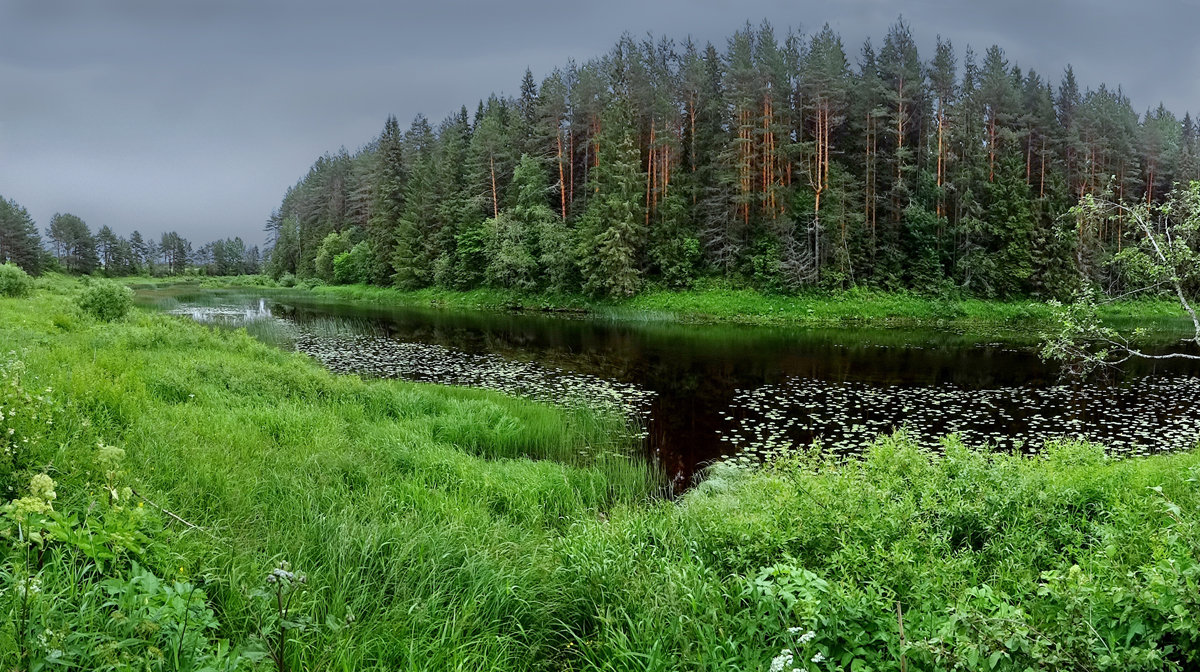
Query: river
[{"x": 702, "y": 392}]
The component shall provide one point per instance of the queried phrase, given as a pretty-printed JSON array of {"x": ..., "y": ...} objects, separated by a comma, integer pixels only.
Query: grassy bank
[
  {"x": 720, "y": 304},
  {"x": 429, "y": 539}
]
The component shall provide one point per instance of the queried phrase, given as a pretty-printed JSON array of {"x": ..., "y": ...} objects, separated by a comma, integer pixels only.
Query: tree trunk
[
  {"x": 495, "y": 196},
  {"x": 562, "y": 185}
]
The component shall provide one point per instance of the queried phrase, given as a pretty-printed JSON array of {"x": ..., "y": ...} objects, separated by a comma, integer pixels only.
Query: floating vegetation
[
  {"x": 360, "y": 347},
  {"x": 390, "y": 358},
  {"x": 1140, "y": 417},
  {"x": 693, "y": 425}
]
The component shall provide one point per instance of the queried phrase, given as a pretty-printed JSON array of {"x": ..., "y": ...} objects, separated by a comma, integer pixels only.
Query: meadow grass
[
  {"x": 722, "y": 303},
  {"x": 454, "y": 529}
]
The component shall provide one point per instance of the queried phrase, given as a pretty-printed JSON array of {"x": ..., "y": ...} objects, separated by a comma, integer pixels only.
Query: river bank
[
  {"x": 726, "y": 305},
  {"x": 427, "y": 537}
]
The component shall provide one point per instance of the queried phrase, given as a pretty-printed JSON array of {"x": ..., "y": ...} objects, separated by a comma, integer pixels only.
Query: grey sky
[{"x": 197, "y": 115}]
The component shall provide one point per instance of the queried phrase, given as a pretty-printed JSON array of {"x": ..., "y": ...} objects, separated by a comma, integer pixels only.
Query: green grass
[
  {"x": 722, "y": 304},
  {"x": 462, "y": 530}
]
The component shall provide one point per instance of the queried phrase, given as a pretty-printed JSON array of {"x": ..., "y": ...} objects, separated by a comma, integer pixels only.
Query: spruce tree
[{"x": 612, "y": 229}]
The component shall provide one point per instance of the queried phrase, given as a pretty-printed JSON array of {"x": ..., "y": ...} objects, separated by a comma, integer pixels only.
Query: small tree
[{"x": 1164, "y": 259}]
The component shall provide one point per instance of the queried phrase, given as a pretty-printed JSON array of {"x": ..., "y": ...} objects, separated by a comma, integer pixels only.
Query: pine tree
[
  {"x": 513, "y": 236},
  {"x": 612, "y": 229},
  {"x": 106, "y": 247},
  {"x": 388, "y": 201},
  {"x": 20, "y": 243},
  {"x": 416, "y": 232},
  {"x": 73, "y": 243},
  {"x": 139, "y": 252}
]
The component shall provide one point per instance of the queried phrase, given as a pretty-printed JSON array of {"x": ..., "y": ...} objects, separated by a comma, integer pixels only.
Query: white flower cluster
[
  {"x": 783, "y": 661},
  {"x": 28, "y": 587}
]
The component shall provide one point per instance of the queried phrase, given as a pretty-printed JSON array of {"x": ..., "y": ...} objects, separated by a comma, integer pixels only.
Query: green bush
[
  {"x": 13, "y": 280},
  {"x": 106, "y": 300},
  {"x": 353, "y": 267}
]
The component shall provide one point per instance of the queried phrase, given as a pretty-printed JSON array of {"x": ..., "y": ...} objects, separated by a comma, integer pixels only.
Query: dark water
[{"x": 705, "y": 391}]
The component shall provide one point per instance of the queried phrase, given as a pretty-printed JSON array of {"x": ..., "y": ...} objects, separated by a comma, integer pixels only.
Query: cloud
[{"x": 196, "y": 116}]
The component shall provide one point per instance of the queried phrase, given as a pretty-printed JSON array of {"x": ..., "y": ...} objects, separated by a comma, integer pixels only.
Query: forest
[
  {"x": 71, "y": 247},
  {"x": 779, "y": 162}
]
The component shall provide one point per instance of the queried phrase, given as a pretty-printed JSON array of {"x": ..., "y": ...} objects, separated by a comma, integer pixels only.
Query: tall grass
[{"x": 430, "y": 540}]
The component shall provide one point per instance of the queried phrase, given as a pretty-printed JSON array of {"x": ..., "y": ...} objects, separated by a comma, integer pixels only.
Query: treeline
[
  {"x": 71, "y": 247},
  {"x": 780, "y": 161}
]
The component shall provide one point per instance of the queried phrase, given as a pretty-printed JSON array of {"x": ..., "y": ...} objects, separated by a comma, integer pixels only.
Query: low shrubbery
[
  {"x": 106, "y": 300},
  {"x": 14, "y": 281}
]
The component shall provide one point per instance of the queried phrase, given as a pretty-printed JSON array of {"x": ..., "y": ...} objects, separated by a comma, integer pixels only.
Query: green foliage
[
  {"x": 354, "y": 266},
  {"x": 674, "y": 249},
  {"x": 106, "y": 300},
  {"x": 780, "y": 161},
  {"x": 430, "y": 539},
  {"x": 612, "y": 229},
  {"x": 20, "y": 243},
  {"x": 14, "y": 281},
  {"x": 511, "y": 263},
  {"x": 73, "y": 243},
  {"x": 335, "y": 244},
  {"x": 471, "y": 253}
]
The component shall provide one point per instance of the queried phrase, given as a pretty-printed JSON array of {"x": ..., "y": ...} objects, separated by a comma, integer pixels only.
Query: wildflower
[
  {"x": 29, "y": 587},
  {"x": 109, "y": 457},
  {"x": 42, "y": 487},
  {"x": 782, "y": 661},
  {"x": 807, "y": 637},
  {"x": 818, "y": 658}
]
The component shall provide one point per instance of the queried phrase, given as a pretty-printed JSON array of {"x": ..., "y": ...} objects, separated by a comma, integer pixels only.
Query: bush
[
  {"x": 353, "y": 267},
  {"x": 13, "y": 280},
  {"x": 106, "y": 300}
]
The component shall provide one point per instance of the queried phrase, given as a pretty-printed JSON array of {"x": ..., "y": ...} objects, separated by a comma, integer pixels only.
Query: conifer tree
[
  {"x": 612, "y": 229},
  {"x": 73, "y": 243},
  {"x": 19, "y": 240},
  {"x": 388, "y": 201}
]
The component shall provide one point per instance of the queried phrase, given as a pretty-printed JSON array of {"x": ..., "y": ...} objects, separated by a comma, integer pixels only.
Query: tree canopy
[{"x": 777, "y": 160}]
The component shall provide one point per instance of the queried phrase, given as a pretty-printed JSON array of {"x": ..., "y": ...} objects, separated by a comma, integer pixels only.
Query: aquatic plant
[{"x": 1139, "y": 416}]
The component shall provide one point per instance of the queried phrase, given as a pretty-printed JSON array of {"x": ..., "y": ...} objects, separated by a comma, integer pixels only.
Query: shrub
[
  {"x": 353, "y": 267},
  {"x": 106, "y": 300},
  {"x": 13, "y": 280}
]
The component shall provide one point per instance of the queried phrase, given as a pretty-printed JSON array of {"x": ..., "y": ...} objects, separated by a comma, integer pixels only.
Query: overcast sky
[{"x": 197, "y": 115}]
